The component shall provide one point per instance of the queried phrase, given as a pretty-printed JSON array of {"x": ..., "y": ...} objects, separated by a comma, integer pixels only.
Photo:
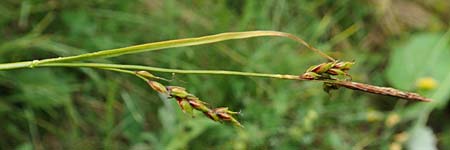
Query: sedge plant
[{"x": 333, "y": 73}]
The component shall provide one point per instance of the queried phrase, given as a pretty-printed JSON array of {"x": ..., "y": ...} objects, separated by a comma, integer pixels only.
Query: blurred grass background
[{"x": 399, "y": 43}]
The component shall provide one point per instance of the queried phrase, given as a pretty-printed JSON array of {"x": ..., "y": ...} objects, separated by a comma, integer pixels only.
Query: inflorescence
[
  {"x": 337, "y": 70},
  {"x": 189, "y": 102}
]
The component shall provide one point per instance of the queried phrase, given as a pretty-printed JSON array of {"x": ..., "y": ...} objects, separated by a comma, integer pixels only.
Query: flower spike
[
  {"x": 158, "y": 87},
  {"x": 188, "y": 102}
]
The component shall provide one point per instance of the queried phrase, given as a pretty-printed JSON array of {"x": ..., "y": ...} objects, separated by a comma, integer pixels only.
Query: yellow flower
[{"x": 426, "y": 83}]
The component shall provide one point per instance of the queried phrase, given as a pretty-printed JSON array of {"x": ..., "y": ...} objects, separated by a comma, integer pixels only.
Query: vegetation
[{"x": 61, "y": 108}]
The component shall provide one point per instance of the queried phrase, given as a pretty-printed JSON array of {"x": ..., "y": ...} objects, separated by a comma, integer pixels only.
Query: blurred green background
[{"x": 400, "y": 43}]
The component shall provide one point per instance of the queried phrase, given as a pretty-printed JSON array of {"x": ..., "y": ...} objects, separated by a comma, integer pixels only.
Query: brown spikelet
[{"x": 381, "y": 90}]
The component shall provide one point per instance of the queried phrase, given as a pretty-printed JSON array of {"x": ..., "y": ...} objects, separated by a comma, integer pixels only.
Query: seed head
[
  {"x": 321, "y": 68},
  {"x": 185, "y": 106},
  {"x": 198, "y": 104},
  {"x": 226, "y": 115},
  {"x": 188, "y": 102},
  {"x": 211, "y": 115},
  {"x": 158, "y": 87},
  {"x": 145, "y": 74},
  {"x": 335, "y": 71},
  {"x": 176, "y": 91},
  {"x": 310, "y": 76},
  {"x": 343, "y": 65}
]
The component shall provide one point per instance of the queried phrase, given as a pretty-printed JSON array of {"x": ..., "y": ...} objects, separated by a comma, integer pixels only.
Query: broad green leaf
[{"x": 425, "y": 55}]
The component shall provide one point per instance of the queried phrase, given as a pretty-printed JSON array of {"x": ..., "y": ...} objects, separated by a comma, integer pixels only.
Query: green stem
[
  {"x": 16, "y": 65},
  {"x": 125, "y": 71},
  {"x": 155, "y": 69},
  {"x": 163, "y": 45},
  {"x": 120, "y": 70}
]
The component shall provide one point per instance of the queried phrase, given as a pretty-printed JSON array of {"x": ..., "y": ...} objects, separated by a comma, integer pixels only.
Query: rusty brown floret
[{"x": 335, "y": 75}]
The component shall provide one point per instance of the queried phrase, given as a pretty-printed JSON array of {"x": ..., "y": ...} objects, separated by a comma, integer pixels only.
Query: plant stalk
[
  {"x": 163, "y": 45},
  {"x": 156, "y": 69}
]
